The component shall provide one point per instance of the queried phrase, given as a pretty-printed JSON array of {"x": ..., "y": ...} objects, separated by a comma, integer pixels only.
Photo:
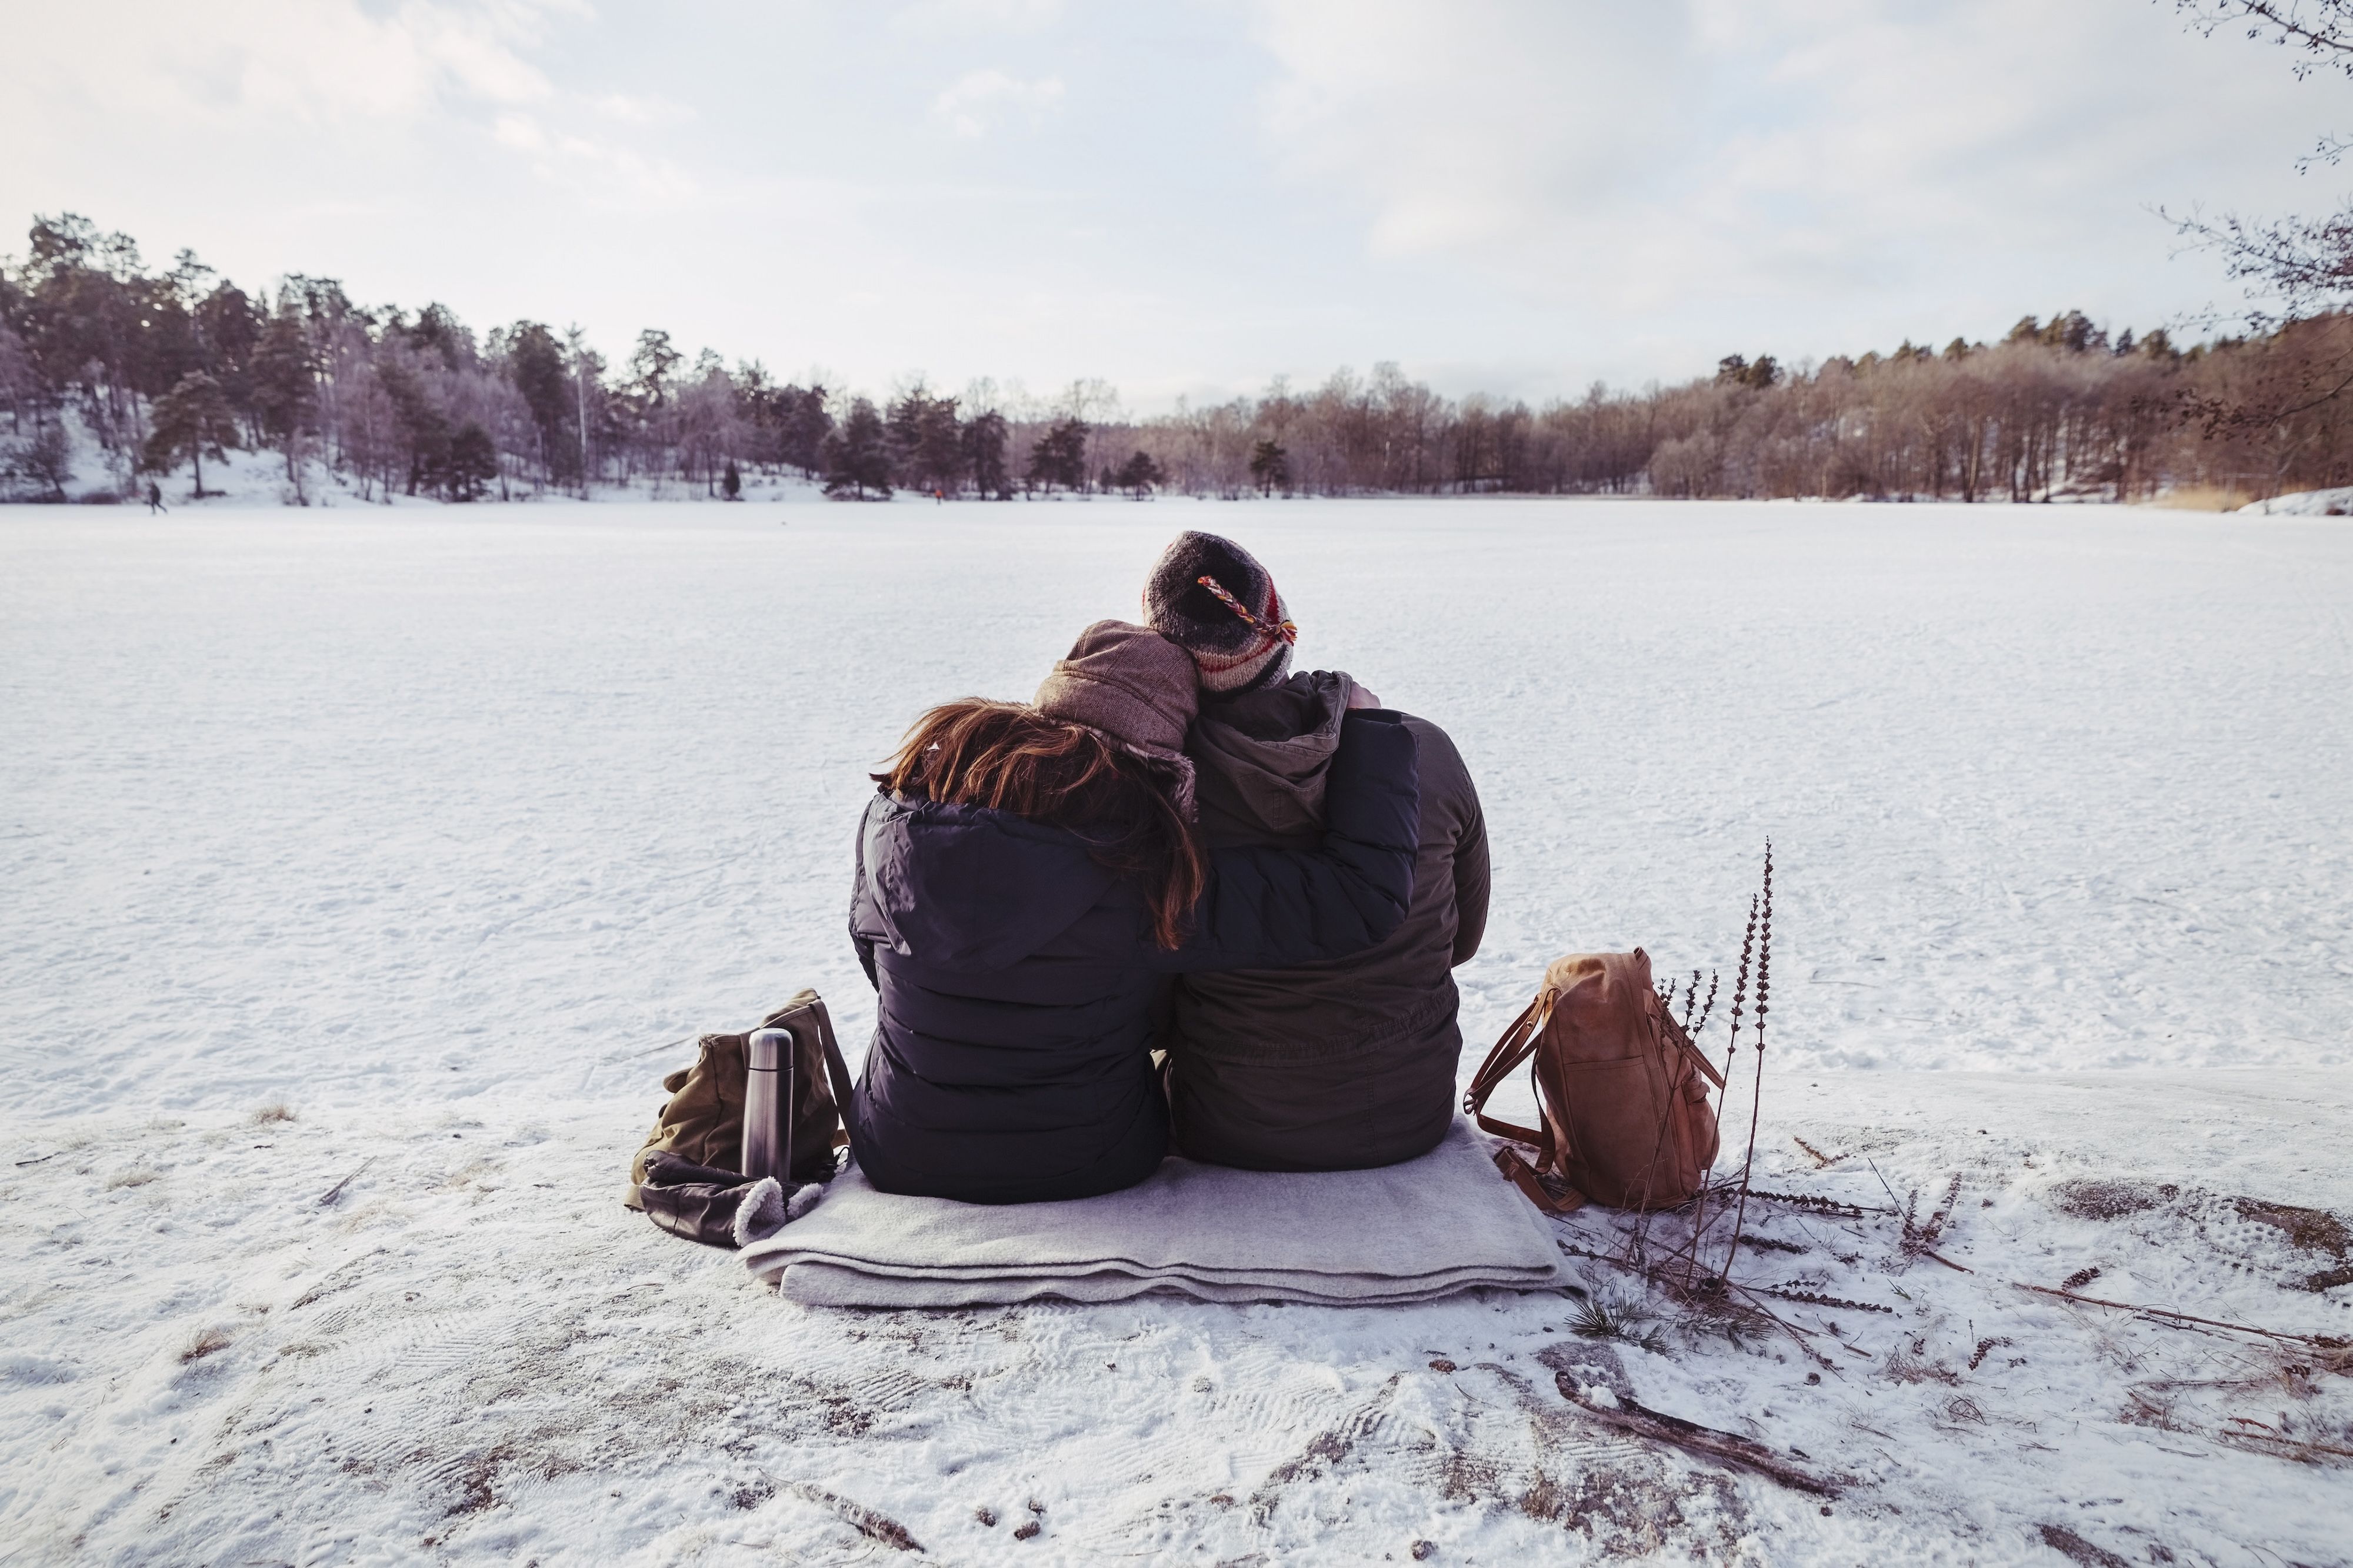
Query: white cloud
[
  {"x": 1467, "y": 123},
  {"x": 321, "y": 61},
  {"x": 520, "y": 132},
  {"x": 595, "y": 172},
  {"x": 1660, "y": 157},
  {"x": 979, "y": 98},
  {"x": 632, "y": 109},
  {"x": 1514, "y": 194},
  {"x": 472, "y": 47},
  {"x": 932, "y": 17},
  {"x": 604, "y": 171},
  {"x": 258, "y": 70}
]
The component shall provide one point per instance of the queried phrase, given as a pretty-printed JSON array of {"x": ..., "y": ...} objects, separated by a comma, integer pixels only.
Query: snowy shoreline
[
  {"x": 474, "y": 1353},
  {"x": 240, "y": 481}
]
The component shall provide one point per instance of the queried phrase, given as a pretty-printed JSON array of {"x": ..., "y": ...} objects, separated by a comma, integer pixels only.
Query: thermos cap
[{"x": 766, "y": 1051}]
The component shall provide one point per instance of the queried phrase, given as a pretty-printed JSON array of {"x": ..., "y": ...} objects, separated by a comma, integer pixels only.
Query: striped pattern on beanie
[{"x": 1212, "y": 598}]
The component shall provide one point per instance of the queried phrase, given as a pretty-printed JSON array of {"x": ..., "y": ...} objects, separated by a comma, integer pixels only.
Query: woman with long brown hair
[{"x": 1029, "y": 877}]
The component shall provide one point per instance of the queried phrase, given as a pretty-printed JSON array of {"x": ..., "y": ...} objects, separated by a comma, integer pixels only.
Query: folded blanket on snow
[{"x": 1443, "y": 1223}]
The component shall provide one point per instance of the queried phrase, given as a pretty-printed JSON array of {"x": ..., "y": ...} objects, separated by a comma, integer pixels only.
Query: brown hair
[{"x": 1006, "y": 756}]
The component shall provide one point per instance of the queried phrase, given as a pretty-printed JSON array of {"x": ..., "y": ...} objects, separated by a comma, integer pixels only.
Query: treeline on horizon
[{"x": 168, "y": 369}]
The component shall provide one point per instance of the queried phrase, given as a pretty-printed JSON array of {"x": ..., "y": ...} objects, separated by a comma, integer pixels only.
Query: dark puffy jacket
[
  {"x": 1018, "y": 982},
  {"x": 1341, "y": 1064}
]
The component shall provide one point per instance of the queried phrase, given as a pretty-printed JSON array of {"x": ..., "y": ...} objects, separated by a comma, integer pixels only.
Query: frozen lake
[
  {"x": 439, "y": 805},
  {"x": 360, "y": 872}
]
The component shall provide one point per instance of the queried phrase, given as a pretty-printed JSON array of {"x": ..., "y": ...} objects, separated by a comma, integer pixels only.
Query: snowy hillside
[
  {"x": 239, "y": 479},
  {"x": 365, "y": 870},
  {"x": 2337, "y": 502}
]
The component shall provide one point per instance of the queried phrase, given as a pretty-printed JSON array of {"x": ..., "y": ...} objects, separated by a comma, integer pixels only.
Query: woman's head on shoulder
[
  {"x": 1013, "y": 758},
  {"x": 1004, "y": 756}
]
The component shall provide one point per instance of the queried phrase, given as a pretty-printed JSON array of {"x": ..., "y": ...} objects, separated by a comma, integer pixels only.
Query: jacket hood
[
  {"x": 967, "y": 889},
  {"x": 1262, "y": 758}
]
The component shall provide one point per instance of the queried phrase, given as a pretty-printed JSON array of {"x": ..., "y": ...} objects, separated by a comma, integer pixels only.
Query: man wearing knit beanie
[
  {"x": 1338, "y": 1065},
  {"x": 1211, "y": 597}
]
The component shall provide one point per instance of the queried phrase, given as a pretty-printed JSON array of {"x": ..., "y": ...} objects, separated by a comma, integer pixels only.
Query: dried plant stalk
[
  {"x": 1692, "y": 1028},
  {"x": 1920, "y": 1237},
  {"x": 1814, "y": 1299},
  {"x": 1817, "y": 1204},
  {"x": 1707, "y": 1442},
  {"x": 1731, "y": 1050},
  {"x": 1756, "y": 1097},
  {"x": 2323, "y": 1342}
]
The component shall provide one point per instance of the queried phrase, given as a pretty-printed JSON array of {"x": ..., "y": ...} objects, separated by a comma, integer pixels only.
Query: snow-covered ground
[
  {"x": 398, "y": 849},
  {"x": 2337, "y": 502},
  {"x": 242, "y": 479}
]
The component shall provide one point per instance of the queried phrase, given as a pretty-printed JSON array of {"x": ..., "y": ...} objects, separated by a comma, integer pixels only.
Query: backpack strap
[
  {"x": 1517, "y": 1044},
  {"x": 1524, "y": 1176},
  {"x": 798, "y": 1019},
  {"x": 837, "y": 1071}
]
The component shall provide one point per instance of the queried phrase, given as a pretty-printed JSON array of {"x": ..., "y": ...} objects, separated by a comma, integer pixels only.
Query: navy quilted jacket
[{"x": 1018, "y": 980}]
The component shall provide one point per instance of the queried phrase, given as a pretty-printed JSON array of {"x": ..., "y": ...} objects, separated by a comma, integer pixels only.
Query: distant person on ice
[
  {"x": 1029, "y": 877},
  {"x": 156, "y": 498},
  {"x": 1349, "y": 1062}
]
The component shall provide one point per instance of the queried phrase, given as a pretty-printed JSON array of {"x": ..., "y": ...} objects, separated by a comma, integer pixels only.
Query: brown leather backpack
[{"x": 1621, "y": 1090}]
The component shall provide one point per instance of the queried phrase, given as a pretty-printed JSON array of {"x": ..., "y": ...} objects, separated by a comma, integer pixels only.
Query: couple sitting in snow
[{"x": 1181, "y": 848}]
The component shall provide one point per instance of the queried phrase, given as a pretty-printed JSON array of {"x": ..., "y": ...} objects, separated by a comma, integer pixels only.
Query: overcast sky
[{"x": 1182, "y": 197}]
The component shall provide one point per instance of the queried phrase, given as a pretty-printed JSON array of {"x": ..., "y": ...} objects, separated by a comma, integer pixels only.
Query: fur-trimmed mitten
[
  {"x": 765, "y": 1209},
  {"x": 697, "y": 1202},
  {"x": 716, "y": 1207}
]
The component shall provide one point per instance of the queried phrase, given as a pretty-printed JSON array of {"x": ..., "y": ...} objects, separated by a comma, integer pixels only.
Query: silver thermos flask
[{"x": 768, "y": 1106}]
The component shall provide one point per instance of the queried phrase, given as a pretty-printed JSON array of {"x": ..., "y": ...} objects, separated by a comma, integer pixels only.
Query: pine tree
[
  {"x": 806, "y": 427},
  {"x": 1737, "y": 370},
  {"x": 1139, "y": 475},
  {"x": 2073, "y": 330},
  {"x": 1269, "y": 465},
  {"x": 424, "y": 428},
  {"x": 283, "y": 382},
  {"x": 473, "y": 462},
  {"x": 228, "y": 328},
  {"x": 926, "y": 442},
  {"x": 939, "y": 450},
  {"x": 1059, "y": 456},
  {"x": 984, "y": 454},
  {"x": 652, "y": 362},
  {"x": 438, "y": 331},
  {"x": 191, "y": 420},
  {"x": 858, "y": 456},
  {"x": 535, "y": 365}
]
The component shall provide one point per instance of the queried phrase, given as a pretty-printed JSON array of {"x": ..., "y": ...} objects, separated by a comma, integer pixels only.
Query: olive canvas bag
[
  {"x": 1621, "y": 1091},
  {"x": 703, "y": 1122}
]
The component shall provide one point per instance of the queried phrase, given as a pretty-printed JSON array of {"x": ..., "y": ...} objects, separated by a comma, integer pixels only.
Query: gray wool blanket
[{"x": 1428, "y": 1227}]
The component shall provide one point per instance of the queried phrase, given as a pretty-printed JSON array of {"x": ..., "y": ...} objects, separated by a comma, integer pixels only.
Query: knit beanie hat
[
  {"x": 1134, "y": 688},
  {"x": 1211, "y": 598}
]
